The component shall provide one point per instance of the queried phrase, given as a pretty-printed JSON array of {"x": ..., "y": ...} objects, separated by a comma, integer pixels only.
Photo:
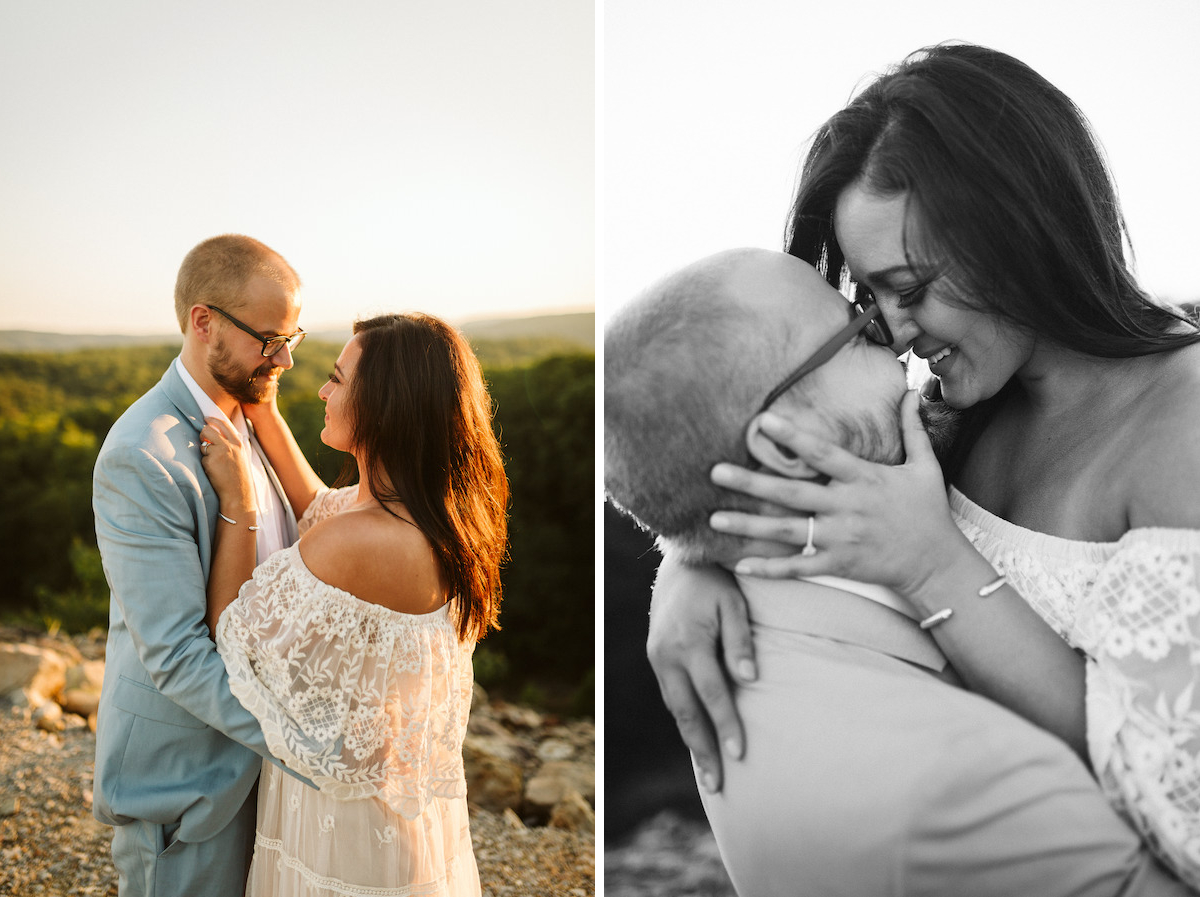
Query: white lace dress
[
  {"x": 372, "y": 706},
  {"x": 1132, "y": 607}
]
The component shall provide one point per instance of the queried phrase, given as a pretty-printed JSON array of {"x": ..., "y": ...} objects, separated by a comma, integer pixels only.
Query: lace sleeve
[
  {"x": 1140, "y": 627},
  {"x": 326, "y": 503},
  {"x": 362, "y": 700}
]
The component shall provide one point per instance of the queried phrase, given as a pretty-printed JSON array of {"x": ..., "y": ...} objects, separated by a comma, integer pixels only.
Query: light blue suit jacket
[{"x": 172, "y": 742}]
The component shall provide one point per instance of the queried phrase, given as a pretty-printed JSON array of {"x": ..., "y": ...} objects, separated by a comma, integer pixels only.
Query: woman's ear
[{"x": 774, "y": 456}]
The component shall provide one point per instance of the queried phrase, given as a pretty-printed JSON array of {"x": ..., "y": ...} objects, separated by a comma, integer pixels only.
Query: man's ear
[
  {"x": 201, "y": 321},
  {"x": 774, "y": 456}
]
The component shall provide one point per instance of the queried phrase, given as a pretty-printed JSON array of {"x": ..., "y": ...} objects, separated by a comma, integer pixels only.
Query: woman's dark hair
[
  {"x": 1011, "y": 191},
  {"x": 421, "y": 415}
]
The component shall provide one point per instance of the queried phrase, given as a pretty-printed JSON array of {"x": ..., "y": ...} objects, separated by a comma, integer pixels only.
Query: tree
[{"x": 546, "y": 422}]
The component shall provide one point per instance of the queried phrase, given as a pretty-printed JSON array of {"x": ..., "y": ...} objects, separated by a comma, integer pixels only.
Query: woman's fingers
[
  {"x": 219, "y": 431},
  {"x": 736, "y": 643},
  {"x": 738, "y": 652},
  {"x": 917, "y": 447},
  {"x": 793, "y": 566},
  {"x": 820, "y": 454},
  {"x": 786, "y": 530},
  {"x": 797, "y": 495}
]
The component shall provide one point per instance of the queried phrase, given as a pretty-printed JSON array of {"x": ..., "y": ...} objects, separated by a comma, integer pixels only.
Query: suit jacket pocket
[{"x": 150, "y": 703}]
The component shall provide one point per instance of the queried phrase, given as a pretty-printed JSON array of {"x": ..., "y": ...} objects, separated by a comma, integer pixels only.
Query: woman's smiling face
[
  {"x": 973, "y": 352},
  {"x": 336, "y": 395}
]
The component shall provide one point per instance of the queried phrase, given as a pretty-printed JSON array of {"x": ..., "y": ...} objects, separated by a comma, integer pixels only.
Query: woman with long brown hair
[{"x": 353, "y": 647}]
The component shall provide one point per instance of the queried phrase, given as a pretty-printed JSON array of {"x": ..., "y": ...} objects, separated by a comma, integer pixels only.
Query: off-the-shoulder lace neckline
[
  {"x": 1044, "y": 543},
  {"x": 297, "y": 559}
]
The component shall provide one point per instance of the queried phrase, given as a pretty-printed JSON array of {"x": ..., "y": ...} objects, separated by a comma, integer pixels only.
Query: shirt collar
[
  {"x": 870, "y": 591},
  {"x": 208, "y": 408}
]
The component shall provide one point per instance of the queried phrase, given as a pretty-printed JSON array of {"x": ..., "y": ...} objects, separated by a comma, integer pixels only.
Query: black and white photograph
[{"x": 917, "y": 628}]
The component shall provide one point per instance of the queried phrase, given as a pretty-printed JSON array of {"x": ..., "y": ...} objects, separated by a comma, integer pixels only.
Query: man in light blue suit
[{"x": 177, "y": 757}]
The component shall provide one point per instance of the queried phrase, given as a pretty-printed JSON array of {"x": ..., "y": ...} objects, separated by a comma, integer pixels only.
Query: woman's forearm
[
  {"x": 1003, "y": 649},
  {"x": 300, "y": 482},
  {"x": 234, "y": 557}
]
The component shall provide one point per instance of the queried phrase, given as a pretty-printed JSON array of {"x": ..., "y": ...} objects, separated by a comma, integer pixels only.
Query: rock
[
  {"x": 555, "y": 749},
  {"x": 73, "y": 722},
  {"x": 501, "y": 747},
  {"x": 81, "y": 687},
  {"x": 62, "y": 647},
  {"x": 21, "y": 703},
  {"x": 494, "y": 777},
  {"x": 574, "y": 814},
  {"x": 9, "y": 804},
  {"x": 87, "y": 676},
  {"x": 78, "y": 701},
  {"x": 49, "y": 717},
  {"x": 517, "y": 717},
  {"x": 481, "y": 724},
  {"x": 39, "y": 671},
  {"x": 554, "y": 782}
]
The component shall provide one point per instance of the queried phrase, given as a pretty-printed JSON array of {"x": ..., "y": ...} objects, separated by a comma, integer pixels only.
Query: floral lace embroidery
[
  {"x": 326, "y": 503},
  {"x": 387, "y": 836},
  {"x": 362, "y": 700},
  {"x": 1133, "y": 608}
]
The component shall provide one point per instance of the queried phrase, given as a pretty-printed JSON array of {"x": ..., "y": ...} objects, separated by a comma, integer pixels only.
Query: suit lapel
[{"x": 181, "y": 397}]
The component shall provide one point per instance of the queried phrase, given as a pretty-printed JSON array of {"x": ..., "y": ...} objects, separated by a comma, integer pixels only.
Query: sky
[
  {"x": 707, "y": 107},
  {"x": 401, "y": 154}
]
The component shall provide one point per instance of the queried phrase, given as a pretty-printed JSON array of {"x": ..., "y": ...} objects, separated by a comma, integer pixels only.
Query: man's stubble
[{"x": 249, "y": 386}]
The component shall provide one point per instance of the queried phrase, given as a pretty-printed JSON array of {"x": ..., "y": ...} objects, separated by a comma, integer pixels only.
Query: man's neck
[{"x": 195, "y": 366}]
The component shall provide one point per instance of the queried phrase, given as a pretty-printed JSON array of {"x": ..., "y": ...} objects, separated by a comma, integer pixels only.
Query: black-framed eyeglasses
[
  {"x": 271, "y": 345},
  {"x": 864, "y": 318}
]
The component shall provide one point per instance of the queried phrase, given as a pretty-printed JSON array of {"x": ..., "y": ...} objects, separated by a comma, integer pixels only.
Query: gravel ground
[
  {"x": 668, "y": 855},
  {"x": 51, "y": 845}
]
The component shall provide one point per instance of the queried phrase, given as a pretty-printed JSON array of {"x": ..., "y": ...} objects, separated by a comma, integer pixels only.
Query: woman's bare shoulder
[
  {"x": 1165, "y": 464},
  {"x": 377, "y": 558}
]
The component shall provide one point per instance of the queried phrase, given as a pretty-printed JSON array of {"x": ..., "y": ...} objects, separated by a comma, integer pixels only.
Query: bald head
[
  {"x": 217, "y": 271},
  {"x": 686, "y": 366}
]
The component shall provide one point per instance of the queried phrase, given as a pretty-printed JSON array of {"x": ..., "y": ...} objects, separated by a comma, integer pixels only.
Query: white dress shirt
[{"x": 271, "y": 535}]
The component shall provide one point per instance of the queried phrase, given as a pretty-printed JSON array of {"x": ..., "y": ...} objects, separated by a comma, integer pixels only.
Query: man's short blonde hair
[
  {"x": 685, "y": 367},
  {"x": 216, "y": 271}
]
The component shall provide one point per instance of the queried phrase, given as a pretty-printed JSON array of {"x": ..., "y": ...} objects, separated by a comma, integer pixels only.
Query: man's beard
[
  {"x": 942, "y": 423},
  {"x": 880, "y": 441},
  {"x": 249, "y": 387}
]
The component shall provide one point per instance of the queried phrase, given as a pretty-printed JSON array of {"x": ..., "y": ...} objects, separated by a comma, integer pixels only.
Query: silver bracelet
[
  {"x": 993, "y": 586},
  {"x": 934, "y": 619},
  {"x": 250, "y": 527}
]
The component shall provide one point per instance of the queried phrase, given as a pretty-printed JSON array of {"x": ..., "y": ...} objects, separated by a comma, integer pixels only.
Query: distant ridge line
[{"x": 576, "y": 327}]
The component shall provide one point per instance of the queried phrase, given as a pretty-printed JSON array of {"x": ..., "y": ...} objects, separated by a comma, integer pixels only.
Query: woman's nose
[{"x": 902, "y": 326}]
